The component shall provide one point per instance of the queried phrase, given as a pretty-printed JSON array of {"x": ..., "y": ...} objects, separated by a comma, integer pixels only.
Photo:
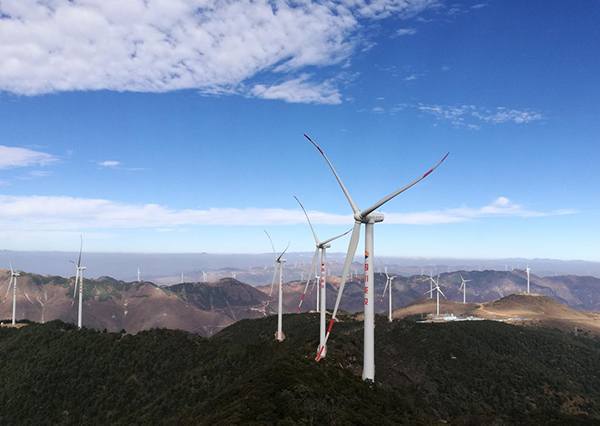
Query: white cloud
[
  {"x": 502, "y": 115},
  {"x": 36, "y": 174},
  {"x": 214, "y": 46},
  {"x": 67, "y": 214},
  {"x": 378, "y": 110},
  {"x": 109, "y": 163},
  {"x": 406, "y": 31},
  {"x": 411, "y": 77},
  {"x": 463, "y": 115},
  {"x": 501, "y": 207},
  {"x": 299, "y": 90},
  {"x": 11, "y": 157}
]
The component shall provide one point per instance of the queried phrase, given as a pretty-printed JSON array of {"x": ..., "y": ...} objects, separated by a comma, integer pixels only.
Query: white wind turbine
[
  {"x": 463, "y": 287},
  {"x": 388, "y": 282},
  {"x": 139, "y": 280},
  {"x": 278, "y": 261},
  {"x": 369, "y": 217},
  {"x": 13, "y": 282},
  {"x": 323, "y": 246},
  {"x": 527, "y": 270},
  {"x": 204, "y": 277},
  {"x": 79, "y": 284},
  {"x": 438, "y": 290}
]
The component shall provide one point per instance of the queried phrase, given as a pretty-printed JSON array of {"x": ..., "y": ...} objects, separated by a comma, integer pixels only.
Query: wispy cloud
[
  {"x": 469, "y": 115},
  {"x": 65, "y": 214},
  {"x": 12, "y": 157},
  {"x": 406, "y": 31},
  {"x": 109, "y": 163},
  {"x": 154, "y": 46},
  {"x": 501, "y": 207},
  {"x": 35, "y": 174},
  {"x": 299, "y": 90}
]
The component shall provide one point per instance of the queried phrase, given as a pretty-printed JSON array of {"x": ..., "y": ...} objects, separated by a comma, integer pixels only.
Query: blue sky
[{"x": 178, "y": 127}]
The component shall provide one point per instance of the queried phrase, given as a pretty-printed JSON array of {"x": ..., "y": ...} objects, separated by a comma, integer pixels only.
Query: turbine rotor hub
[{"x": 373, "y": 217}]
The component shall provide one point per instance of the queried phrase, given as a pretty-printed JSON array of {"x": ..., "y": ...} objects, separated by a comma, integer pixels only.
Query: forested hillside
[{"x": 462, "y": 373}]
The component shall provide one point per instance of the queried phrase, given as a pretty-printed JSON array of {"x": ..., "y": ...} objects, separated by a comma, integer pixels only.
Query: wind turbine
[
  {"x": 323, "y": 246},
  {"x": 438, "y": 291},
  {"x": 278, "y": 261},
  {"x": 204, "y": 277},
  {"x": 369, "y": 217},
  {"x": 463, "y": 286},
  {"x": 79, "y": 284},
  {"x": 13, "y": 282},
  {"x": 388, "y": 281},
  {"x": 527, "y": 270},
  {"x": 139, "y": 280}
]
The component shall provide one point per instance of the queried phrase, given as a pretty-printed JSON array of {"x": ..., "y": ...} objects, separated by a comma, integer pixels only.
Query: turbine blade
[
  {"x": 384, "y": 290},
  {"x": 440, "y": 290},
  {"x": 272, "y": 284},
  {"x": 76, "y": 282},
  {"x": 461, "y": 277},
  {"x": 307, "y": 218},
  {"x": 347, "y": 263},
  {"x": 80, "y": 250},
  {"x": 350, "y": 200},
  {"x": 335, "y": 238},
  {"x": 312, "y": 265},
  {"x": 9, "y": 262},
  {"x": 9, "y": 285},
  {"x": 272, "y": 246},
  {"x": 384, "y": 200},
  {"x": 283, "y": 252}
]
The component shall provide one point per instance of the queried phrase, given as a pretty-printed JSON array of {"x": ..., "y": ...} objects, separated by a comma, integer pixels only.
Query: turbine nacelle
[{"x": 374, "y": 217}]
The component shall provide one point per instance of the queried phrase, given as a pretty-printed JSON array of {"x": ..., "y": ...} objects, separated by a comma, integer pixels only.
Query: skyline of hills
[
  {"x": 166, "y": 268},
  {"x": 206, "y": 308}
]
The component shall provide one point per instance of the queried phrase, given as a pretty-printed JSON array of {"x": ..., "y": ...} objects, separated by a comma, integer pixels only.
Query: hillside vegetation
[{"x": 462, "y": 373}]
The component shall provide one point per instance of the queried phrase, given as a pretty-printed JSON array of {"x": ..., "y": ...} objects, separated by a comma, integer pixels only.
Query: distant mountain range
[
  {"x": 206, "y": 308},
  {"x": 166, "y": 268}
]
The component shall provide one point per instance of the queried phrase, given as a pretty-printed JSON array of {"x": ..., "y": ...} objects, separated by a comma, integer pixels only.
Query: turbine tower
[
  {"x": 527, "y": 270},
  {"x": 139, "y": 280},
  {"x": 368, "y": 217},
  {"x": 388, "y": 282},
  {"x": 13, "y": 282},
  {"x": 463, "y": 286},
  {"x": 438, "y": 290},
  {"x": 278, "y": 261},
  {"x": 79, "y": 284},
  {"x": 204, "y": 277},
  {"x": 323, "y": 246}
]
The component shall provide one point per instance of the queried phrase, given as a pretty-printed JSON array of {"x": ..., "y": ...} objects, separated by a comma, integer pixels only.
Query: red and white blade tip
[{"x": 426, "y": 174}]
